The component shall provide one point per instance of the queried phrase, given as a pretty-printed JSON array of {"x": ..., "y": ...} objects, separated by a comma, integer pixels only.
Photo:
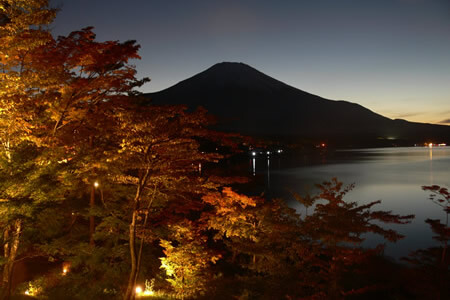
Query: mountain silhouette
[{"x": 249, "y": 102}]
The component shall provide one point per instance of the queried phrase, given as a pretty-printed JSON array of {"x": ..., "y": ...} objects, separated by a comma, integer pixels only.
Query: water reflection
[
  {"x": 253, "y": 166},
  {"x": 431, "y": 166},
  {"x": 393, "y": 175}
]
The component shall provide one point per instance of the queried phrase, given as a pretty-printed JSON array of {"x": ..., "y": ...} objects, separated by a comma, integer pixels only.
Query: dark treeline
[{"x": 103, "y": 196}]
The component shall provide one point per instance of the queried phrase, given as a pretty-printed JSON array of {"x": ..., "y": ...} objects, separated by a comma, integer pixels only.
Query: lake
[{"x": 393, "y": 175}]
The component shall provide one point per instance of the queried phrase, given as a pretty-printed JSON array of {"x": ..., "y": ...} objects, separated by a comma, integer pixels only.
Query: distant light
[
  {"x": 430, "y": 145},
  {"x": 323, "y": 145},
  {"x": 254, "y": 153},
  {"x": 27, "y": 292},
  {"x": 138, "y": 290},
  {"x": 279, "y": 151},
  {"x": 442, "y": 145},
  {"x": 268, "y": 152},
  {"x": 65, "y": 271},
  {"x": 96, "y": 184}
]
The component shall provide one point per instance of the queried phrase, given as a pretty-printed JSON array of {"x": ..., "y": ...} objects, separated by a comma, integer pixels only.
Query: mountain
[{"x": 250, "y": 102}]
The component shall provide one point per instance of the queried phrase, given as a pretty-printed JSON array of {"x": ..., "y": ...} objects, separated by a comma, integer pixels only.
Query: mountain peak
[
  {"x": 233, "y": 69},
  {"x": 248, "y": 101},
  {"x": 231, "y": 65},
  {"x": 234, "y": 75}
]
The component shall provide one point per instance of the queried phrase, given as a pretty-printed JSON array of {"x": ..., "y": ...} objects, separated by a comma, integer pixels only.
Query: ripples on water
[{"x": 393, "y": 175}]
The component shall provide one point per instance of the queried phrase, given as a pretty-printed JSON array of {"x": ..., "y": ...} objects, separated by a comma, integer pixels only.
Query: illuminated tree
[
  {"x": 187, "y": 264},
  {"x": 69, "y": 117},
  {"x": 22, "y": 31},
  {"x": 159, "y": 154},
  {"x": 93, "y": 115},
  {"x": 58, "y": 114},
  {"x": 264, "y": 241}
]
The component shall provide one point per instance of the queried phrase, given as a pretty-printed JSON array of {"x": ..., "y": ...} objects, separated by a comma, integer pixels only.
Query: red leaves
[
  {"x": 442, "y": 231},
  {"x": 338, "y": 228},
  {"x": 340, "y": 221},
  {"x": 443, "y": 193}
]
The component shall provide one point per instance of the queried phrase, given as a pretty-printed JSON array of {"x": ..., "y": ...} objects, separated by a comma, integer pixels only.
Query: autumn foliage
[{"x": 106, "y": 191}]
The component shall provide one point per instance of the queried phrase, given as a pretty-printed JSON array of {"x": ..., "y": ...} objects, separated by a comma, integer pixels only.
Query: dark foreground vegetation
[{"x": 103, "y": 197}]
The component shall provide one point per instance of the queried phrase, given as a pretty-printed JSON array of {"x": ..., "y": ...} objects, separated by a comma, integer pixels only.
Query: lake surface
[{"x": 393, "y": 175}]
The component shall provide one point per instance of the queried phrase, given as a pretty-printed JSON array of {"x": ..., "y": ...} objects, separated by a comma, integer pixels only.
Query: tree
[
  {"x": 188, "y": 263},
  {"x": 431, "y": 265},
  {"x": 306, "y": 200},
  {"x": 338, "y": 227},
  {"x": 159, "y": 153},
  {"x": 93, "y": 112},
  {"x": 443, "y": 200},
  {"x": 262, "y": 241},
  {"x": 22, "y": 31},
  {"x": 59, "y": 101}
]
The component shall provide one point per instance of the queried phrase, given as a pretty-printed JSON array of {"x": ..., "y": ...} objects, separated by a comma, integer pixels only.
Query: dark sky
[{"x": 392, "y": 56}]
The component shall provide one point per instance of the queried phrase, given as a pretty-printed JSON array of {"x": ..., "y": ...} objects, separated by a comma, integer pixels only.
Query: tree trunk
[
  {"x": 91, "y": 218},
  {"x": 141, "y": 246},
  {"x": 91, "y": 203},
  {"x": 129, "y": 295},
  {"x": 11, "y": 246}
]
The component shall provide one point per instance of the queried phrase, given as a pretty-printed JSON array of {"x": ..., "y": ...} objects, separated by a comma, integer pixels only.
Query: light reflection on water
[{"x": 393, "y": 175}]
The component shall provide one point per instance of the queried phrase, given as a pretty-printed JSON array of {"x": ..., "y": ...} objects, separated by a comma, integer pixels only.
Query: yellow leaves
[
  {"x": 187, "y": 265},
  {"x": 233, "y": 216},
  {"x": 166, "y": 266},
  {"x": 3, "y": 58},
  {"x": 215, "y": 258},
  {"x": 236, "y": 219}
]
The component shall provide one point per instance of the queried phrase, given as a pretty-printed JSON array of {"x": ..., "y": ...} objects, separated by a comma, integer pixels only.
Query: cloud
[
  {"x": 446, "y": 121},
  {"x": 408, "y": 115}
]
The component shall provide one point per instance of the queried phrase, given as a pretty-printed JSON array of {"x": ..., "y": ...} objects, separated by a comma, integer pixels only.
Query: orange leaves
[
  {"x": 228, "y": 199},
  {"x": 231, "y": 215},
  {"x": 20, "y": 84},
  {"x": 20, "y": 15}
]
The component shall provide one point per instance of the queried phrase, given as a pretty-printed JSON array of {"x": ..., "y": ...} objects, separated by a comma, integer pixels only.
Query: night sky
[{"x": 391, "y": 56}]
